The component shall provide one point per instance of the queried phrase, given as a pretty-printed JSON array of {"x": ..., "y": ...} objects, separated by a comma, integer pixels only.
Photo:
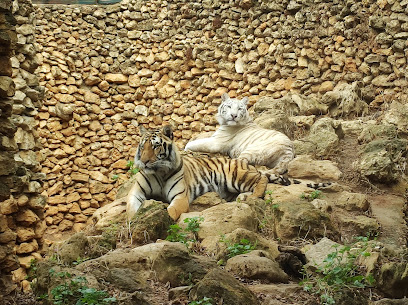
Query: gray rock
[
  {"x": 256, "y": 267},
  {"x": 322, "y": 140},
  {"x": 317, "y": 253},
  {"x": 223, "y": 219},
  {"x": 381, "y": 160},
  {"x": 345, "y": 100},
  {"x": 219, "y": 285},
  {"x": 303, "y": 166},
  {"x": 397, "y": 115},
  {"x": 174, "y": 264},
  {"x": 392, "y": 279}
]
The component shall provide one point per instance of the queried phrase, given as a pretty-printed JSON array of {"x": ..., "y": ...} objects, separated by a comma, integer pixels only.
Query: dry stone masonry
[
  {"x": 108, "y": 69},
  {"x": 22, "y": 222}
]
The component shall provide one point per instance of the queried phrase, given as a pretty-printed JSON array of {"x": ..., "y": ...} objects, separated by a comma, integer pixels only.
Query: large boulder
[
  {"x": 397, "y": 115},
  {"x": 217, "y": 245},
  {"x": 373, "y": 132},
  {"x": 384, "y": 153},
  {"x": 300, "y": 219},
  {"x": 382, "y": 160},
  {"x": 304, "y": 166},
  {"x": 206, "y": 200},
  {"x": 392, "y": 279},
  {"x": 139, "y": 259},
  {"x": 317, "y": 253},
  {"x": 126, "y": 279},
  {"x": 166, "y": 261},
  {"x": 176, "y": 266},
  {"x": 72, "y": 249},
  {"x": 322, "y": 140},
  {"x": 348, "y": 201},
  {"x": 256, "y": 266},
  {"x": 345, "y": 100},
  {"x": 276, "y": 119},
  {"x": 292, "y": 217},
  {"x": 350, "y": 225},
  {"x": 150, "y": 223},
  {"x": 219, "y": 285},
  {"x": 223, "y": 219},
  {"x": 108, "y": 214}
]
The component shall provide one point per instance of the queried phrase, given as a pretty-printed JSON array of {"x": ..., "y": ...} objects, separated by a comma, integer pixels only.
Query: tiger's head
[
  {"x": 232, "y": 111},
  {"x": 156, "y": 151}
]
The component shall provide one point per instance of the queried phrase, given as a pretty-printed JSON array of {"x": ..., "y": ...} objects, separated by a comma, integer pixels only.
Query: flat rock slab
[{"x": 388, "y": 210}]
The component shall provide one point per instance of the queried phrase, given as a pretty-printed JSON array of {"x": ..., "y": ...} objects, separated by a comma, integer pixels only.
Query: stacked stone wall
[
  {"x": 21, "y": 206},
  {"x": 109, "y": 69},
  {"x": 8, "y": 260}
]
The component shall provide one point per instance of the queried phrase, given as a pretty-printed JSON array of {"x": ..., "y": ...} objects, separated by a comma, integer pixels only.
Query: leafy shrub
[
  {"x": 339, "y": 273},
  {"x": 312, "y": 196},
  {"x": 242, "y": 247},
  {"x": 203, "y": 301},
  {"x": 178, "y": 234},
  {"x": 193, "y": 225},
  {"x": 132, "y": 170},
  {"x": 76, "y": 292}
]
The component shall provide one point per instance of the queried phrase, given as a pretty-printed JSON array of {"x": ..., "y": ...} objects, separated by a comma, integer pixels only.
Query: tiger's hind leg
[
  {"x": 258, "y": 191},
  {"x": 178, "y": 206}
]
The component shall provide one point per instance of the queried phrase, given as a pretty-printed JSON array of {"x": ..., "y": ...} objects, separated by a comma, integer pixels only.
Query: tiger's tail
[{"x": 283, "y": 180}]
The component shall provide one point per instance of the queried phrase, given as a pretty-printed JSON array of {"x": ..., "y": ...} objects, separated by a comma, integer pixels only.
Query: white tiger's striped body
[{"x": 239, "y": 137}]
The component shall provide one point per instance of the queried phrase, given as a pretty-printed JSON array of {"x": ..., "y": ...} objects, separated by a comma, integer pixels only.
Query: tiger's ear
[
  {"x": 224, "y": 97},
  {"x": 168, "y": 132},
  {"x": 142, "y": 130},
  {"x": 245, "y": 100}
]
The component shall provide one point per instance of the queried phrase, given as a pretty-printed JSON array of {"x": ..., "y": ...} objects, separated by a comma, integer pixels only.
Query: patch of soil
[{"x": 21, "y": 298}]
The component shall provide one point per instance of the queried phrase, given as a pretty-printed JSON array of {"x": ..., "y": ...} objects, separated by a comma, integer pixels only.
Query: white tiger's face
[{"x": 233, "y": 112}]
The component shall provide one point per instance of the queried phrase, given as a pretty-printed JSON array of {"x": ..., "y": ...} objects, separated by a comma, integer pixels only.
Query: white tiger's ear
[
  {"x": 142, "y": 130},
  {"x": 245, "y": 100},
  {"x": 224, "y": 97},
  {"x": 168, "y": 132}
]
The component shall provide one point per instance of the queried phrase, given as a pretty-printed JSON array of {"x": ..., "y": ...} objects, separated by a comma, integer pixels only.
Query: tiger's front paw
[
  {"x": 244, "y": 196},
  {"x": 174, "y": 214}
]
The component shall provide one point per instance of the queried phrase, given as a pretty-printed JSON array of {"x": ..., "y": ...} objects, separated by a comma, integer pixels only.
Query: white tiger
[{"x": 239, "y": 137}]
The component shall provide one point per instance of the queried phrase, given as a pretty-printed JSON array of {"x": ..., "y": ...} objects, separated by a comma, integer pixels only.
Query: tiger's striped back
[{"x": 225, "y": 176}]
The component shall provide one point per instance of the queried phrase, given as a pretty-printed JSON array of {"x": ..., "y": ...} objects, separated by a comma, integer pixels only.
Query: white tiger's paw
[
  {"x": 188, "y": 146},
  {"x": 243, "y": 196}
]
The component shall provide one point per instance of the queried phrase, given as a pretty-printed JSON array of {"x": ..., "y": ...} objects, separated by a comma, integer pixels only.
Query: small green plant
[
  {"x": 193, "y": 225},
  {"x": 32, "y": 270},
  {"x": 178, "y": 234},
  {"x": 203, "y": 301},
  {"x": 312, "y": 196},
  {"x": 132, "y": 170},
  {"x": 268, "y": 197},
  {"x": 339, "y": 272},
  {"x": 242, "y": 247},
  {"x": 75, "y": 291},
  {"x": 80, "y": 260}
]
